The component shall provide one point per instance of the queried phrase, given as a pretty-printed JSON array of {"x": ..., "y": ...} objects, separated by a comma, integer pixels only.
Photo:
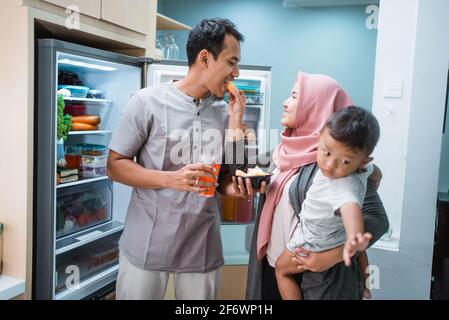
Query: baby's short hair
[{"x": 356, "y": 127}]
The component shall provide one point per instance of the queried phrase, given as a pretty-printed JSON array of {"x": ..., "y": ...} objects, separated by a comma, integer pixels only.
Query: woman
[{"x": 313, "y": 99}]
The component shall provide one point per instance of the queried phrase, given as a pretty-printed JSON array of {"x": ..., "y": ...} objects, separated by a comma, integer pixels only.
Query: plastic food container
[
  {"x": 254, "y": 98},
  {"x": 76, "y": 91},
  {"x": 93, "y": 166},
  {"x": 95, "y": 94},
  {"x": 91, "y": 259},
  {"x": 73, "y": 156},
  {"x": 89, "y": 172},
  {"x": 89, "y": 149},
  {"x": 75, "y": 109},
  {"x": 80, "y": 207}
]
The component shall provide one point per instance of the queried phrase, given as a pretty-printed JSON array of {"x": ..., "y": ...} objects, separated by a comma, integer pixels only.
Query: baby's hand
[{"x": 355, "y": 242}]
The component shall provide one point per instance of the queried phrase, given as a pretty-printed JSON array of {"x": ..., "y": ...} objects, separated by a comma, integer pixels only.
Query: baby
[{"x": 331, "y": 214}]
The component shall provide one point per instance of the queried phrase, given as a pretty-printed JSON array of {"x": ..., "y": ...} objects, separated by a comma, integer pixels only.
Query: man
[{"x": 169, "y": 227}]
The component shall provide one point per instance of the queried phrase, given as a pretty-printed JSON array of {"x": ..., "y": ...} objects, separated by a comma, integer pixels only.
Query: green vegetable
[{"x": 64, "y": 120}]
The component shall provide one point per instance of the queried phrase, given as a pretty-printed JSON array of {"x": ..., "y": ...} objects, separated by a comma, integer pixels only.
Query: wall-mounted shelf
[{"x": 166, "y": 23}]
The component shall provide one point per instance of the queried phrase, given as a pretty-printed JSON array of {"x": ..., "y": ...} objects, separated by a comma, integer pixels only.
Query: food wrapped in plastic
[{"x": 93, "y": 166}]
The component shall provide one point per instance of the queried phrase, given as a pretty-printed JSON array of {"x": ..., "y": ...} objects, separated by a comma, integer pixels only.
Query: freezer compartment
[
  {"x": 86, "y": 262},
  {"x": 83, "y": 206}
]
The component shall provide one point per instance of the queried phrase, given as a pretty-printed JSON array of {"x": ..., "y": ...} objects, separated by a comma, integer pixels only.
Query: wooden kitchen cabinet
[
  {"x": 233, "y": 284},
  {"x": 135, "y": 15},
  {"x": 87, "y": 7}
]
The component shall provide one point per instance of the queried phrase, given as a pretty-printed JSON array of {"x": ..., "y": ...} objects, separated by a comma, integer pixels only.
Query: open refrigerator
[{"x": 79, "y": 215}]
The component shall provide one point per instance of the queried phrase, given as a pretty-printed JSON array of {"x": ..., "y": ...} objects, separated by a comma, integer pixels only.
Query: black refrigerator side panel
[{"x": 45, "y": 113}]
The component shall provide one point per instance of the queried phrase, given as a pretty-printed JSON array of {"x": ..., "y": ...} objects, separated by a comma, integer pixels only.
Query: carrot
[
  {"x": 92, "y": 119},
  {"x": 77, "y": 126}
]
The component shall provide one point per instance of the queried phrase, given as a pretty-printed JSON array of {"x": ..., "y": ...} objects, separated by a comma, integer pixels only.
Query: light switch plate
[{"x": 393, "y": 88}]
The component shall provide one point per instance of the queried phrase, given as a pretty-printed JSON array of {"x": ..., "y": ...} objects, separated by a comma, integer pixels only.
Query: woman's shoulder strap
[{"x": 300, "y": 185}]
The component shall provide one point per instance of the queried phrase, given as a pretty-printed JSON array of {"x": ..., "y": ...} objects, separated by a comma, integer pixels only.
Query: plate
[{"x": 256, "y": 181}]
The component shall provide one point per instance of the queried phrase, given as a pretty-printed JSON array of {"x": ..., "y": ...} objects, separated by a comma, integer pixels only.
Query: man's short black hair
[
  {"x": 356, "y": 127},
  {"x": 209, "y": 34}
]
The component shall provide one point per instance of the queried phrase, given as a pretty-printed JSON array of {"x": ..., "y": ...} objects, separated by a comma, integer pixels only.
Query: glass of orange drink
[{"x": 209, "y": 191}]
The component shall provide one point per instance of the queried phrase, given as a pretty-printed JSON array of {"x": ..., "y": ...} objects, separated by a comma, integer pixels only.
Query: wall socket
[{"x": 393, "y": 88}]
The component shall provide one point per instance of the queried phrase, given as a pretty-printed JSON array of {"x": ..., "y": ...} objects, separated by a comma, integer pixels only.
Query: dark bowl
[{"x": 256, "y": 181}]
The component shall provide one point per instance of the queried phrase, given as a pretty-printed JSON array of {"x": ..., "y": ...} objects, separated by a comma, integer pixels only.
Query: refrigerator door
[{"x": 79, "y": 213}]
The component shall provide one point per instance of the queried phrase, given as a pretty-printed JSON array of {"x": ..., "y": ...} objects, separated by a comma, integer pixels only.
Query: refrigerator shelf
[
  {"x": 102, "y": 132},
  {"x": 90, "y": 285},
  {"x": 89, "y": 100},
  {"x": 84, "y": 237},
  {"x": 83, "y": 181}
]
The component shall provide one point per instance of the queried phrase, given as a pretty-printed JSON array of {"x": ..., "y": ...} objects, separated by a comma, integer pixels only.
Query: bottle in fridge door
[{"x": 79, "y": 212}]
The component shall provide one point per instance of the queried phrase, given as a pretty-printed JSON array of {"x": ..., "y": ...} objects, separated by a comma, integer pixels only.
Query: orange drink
[
  {"x": 227, "y": 208},
  {"x": 210, "y": 191}
]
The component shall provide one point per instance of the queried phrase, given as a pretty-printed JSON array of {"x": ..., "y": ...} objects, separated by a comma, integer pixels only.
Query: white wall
[{"x": 412, "y": 46}]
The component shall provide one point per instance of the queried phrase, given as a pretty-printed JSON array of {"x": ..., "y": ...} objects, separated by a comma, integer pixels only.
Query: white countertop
[{"x": 10, "y": 287}]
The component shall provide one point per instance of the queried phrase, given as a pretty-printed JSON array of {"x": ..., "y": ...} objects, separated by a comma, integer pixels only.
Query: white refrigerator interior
[
  {"x": 79, "y": 213},
  {"x": 94, "y": 249}
]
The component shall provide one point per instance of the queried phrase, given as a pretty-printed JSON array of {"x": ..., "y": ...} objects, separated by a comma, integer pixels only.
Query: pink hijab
[{"x": 319, "y": 97}]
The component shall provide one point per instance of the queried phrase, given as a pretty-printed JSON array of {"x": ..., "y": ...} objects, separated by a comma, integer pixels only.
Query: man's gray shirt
[{"x": 165, "y": 229}]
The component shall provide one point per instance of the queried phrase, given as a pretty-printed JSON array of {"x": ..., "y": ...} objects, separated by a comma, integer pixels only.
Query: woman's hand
[
  {"x": 376, "y": 177},
  {"x": 243, "y": 187},
  {"x": 317, "y": 261}
]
